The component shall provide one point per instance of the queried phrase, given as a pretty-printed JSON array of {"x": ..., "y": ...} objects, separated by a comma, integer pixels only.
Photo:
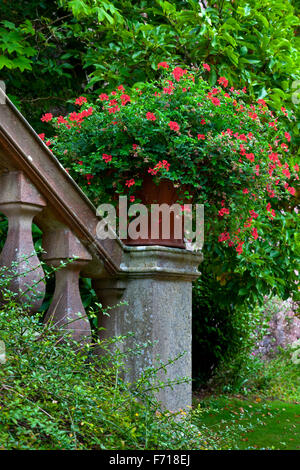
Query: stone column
[
  {"x": 159, "y": 296},
  {"x": 20, "y": 201},
  {"x": 66, "y": 310}
]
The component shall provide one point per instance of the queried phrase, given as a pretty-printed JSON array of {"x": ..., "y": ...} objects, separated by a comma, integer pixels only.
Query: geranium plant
[{"x": 228, "y": 153}]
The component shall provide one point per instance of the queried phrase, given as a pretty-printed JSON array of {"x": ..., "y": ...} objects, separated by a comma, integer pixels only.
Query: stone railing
[{"x": 155, "y": 282}]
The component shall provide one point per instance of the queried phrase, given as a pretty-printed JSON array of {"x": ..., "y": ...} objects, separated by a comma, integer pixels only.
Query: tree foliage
[{"x": 54, "y": 49}]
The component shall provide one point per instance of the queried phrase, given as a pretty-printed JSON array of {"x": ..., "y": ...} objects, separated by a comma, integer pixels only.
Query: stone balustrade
[{"x": 153, "y": 283}]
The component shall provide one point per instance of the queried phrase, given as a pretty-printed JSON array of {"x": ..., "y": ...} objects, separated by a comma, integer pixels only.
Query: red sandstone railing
[{"x": 35, "y": 187}]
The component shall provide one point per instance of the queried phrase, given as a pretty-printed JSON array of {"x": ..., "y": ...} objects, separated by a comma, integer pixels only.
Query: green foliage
[{"x": 16, "y": 49}]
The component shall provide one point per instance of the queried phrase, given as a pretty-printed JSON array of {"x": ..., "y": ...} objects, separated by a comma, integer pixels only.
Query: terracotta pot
[{"x": 163, "y": 193}]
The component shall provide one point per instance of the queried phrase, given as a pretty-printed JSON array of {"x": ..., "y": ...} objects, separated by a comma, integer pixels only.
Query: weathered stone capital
[
  {"x": 17, "y": 188},
  {"x": 63, "y": 244},
  {"x": 161, "y": 262}
]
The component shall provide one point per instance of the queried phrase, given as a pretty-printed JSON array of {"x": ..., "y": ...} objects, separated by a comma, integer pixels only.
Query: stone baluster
[
  {"x": 66, "y": 310},
  {"x": 20, "y": 201},
  {"x": 110, "y": 293}
]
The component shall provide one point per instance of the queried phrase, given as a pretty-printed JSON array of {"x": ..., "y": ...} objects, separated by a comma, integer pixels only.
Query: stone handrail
[{"x": 155, "y": 282}]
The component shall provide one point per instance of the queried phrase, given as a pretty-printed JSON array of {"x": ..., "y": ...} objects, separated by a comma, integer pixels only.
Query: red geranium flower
[
  {"x": 80, "y": 100},
  {"x": 223, "y": 81},
  {"x": 46, "y": 117},
  {"x": 174, "y": 126},
  {"x": 150, "y": 116},
  {"x": 106, "y": 158},
  {"x": 178, "y": 72},
  {"x": 164, "y": 65},
  {"x": 104, "y": 97},
  {"x": 216, "y": 101},
  {"x": 130, "y": 182},
  {"x": 254, "y": 233}
]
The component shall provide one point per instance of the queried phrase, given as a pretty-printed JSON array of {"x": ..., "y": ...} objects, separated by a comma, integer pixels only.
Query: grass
[{"x": 251, "y": 423}]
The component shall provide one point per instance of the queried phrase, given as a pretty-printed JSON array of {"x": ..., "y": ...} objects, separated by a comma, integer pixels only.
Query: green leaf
[{"x": 5, "y": 62}]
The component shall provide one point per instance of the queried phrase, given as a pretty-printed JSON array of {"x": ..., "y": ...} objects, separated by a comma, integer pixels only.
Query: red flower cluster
[
  {"x": 174, "y": 126},
  {"x": 287, "y": 136},
  {"x": 224, "y": 236},
  {"x": 250, "y": 156},
  {"x": 46, "y": 117},
  {"x": 80, "y": 100},
  {"x": 150, "y": 116},
  {"x": 130, "y": 182},
  {"x": 113, "y": 109},
  {"x": 106, "y": 158},
  {"x": 223, "y": 81},
  {"x": 178, "y": 72},
  {"x": 78, "y": 117},
  {"x": 89, "y": 177},
  {"x": 215, "y": 101},
  {"x": 223, "y": 211},
  {"x": 206, "y": 67},
  {"x": 169, "y": 90},
  {"x": 163, "y": 164},
  {"x": 254, "y": 233},
  {"x": 164, "y": 65},
  {"x": 239, "y": 248},
  {"x": 125, "y": 99},
  {"x": 104, "y": 97}
]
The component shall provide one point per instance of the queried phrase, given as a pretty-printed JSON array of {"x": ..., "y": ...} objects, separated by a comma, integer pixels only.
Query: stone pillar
[
  {"x": 20, "y": 201},
  {"x": 66, "y": 310},
  {"x": 159, "y": 310}
]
